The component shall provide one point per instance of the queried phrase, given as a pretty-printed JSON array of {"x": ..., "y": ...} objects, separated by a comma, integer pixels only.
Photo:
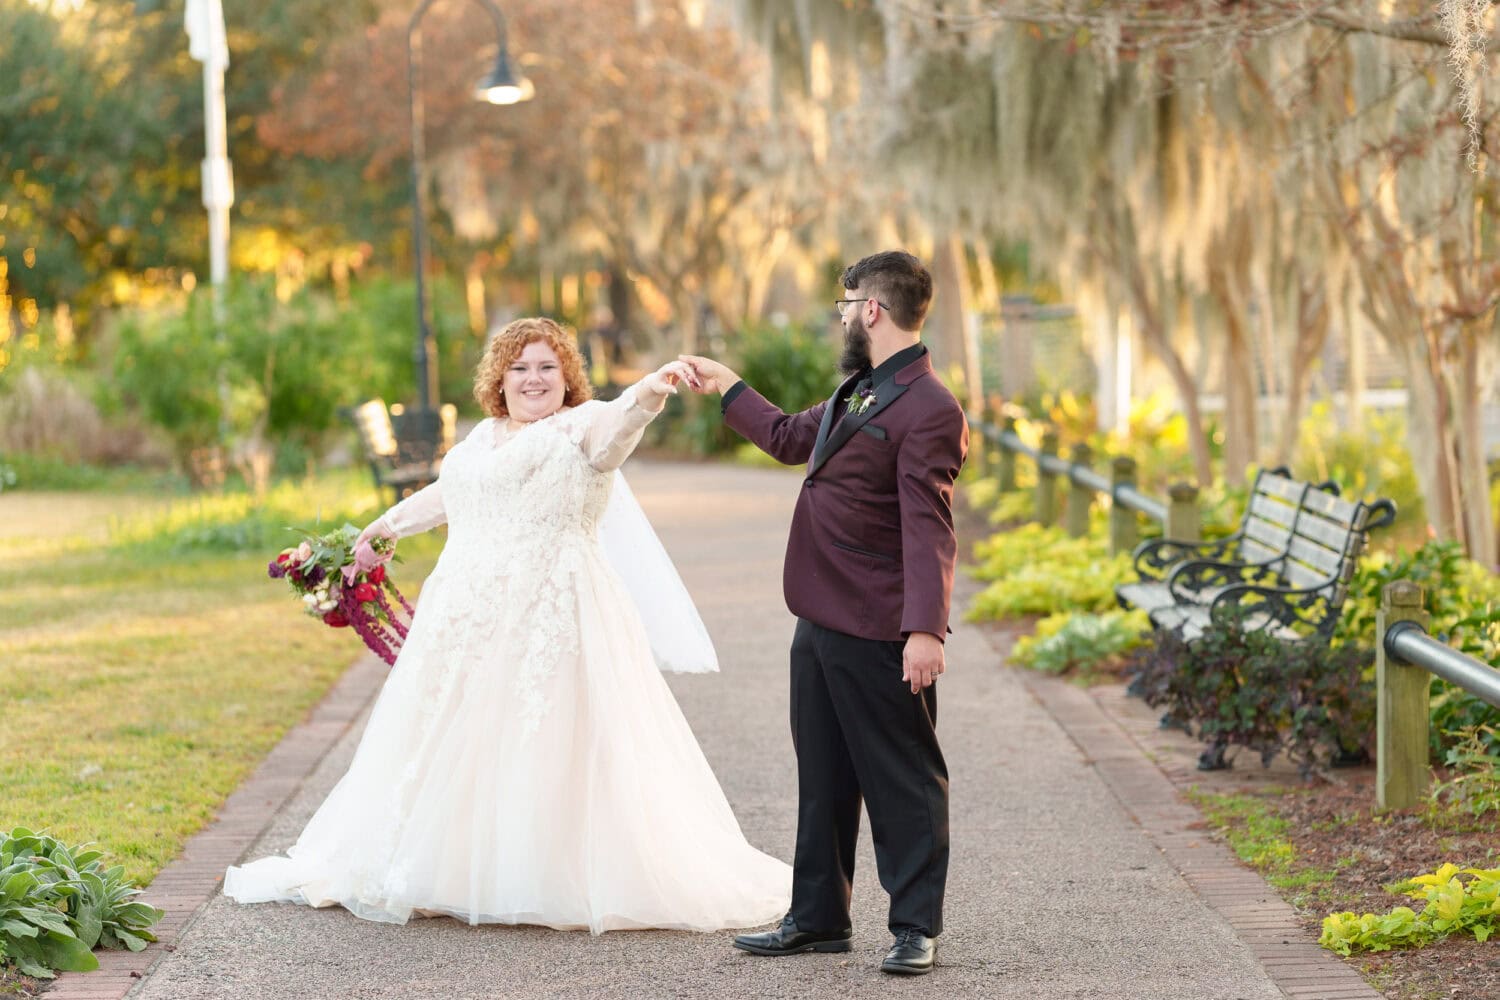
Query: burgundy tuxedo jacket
[{"x": 872, "y": 549}]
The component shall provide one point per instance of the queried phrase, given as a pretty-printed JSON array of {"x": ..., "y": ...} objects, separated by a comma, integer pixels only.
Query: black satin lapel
[
  {"x": 885, "y": 394},
  {"x": 830, "y": 412}
]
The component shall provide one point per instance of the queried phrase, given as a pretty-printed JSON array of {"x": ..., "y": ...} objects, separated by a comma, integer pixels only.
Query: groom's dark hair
[{"x": 898, "y": 280}]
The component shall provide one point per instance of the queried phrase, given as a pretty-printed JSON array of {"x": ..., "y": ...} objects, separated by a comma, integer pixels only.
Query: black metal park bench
[
  {"x": 1296, "y": 596},
  {"x": 404, "y": 455}
]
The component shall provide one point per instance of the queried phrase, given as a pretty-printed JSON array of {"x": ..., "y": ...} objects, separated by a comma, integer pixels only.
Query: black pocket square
[{"x": 875, "y": 432}]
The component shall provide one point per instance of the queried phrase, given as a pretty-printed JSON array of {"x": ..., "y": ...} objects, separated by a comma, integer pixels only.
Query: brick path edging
[
  {"x": 183, "y": 887},
  {"x": 1259, "y": 916}
]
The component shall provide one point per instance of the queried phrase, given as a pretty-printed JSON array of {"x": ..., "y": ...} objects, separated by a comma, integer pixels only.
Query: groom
[{"x": 869, "y": 575}]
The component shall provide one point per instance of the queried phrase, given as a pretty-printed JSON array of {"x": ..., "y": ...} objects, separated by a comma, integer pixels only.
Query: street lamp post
[{"x": 500, "y": 86}]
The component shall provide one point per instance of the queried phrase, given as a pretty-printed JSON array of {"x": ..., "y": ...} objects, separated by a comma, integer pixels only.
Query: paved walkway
[{"x": 1056, "y": 889}]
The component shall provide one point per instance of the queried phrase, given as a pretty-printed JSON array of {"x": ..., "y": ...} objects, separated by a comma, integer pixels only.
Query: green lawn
[{"x": 148, "y": 665}]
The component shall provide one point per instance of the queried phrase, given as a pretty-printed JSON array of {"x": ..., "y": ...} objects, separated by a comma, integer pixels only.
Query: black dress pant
[{"x": 860, "y": 734}]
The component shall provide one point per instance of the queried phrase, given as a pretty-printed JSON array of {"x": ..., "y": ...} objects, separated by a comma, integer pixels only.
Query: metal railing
[
  {"x": 1405, "y": 654},
  {"x": 1179, "y": 515}
]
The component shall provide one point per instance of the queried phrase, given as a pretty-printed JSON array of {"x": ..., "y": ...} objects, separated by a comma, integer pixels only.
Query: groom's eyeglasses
[{"x": 842, "y": 304}]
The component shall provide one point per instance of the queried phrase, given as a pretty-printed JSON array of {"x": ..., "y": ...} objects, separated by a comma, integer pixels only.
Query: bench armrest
[
  {"x": 1382, "y": 514},
  {"x": 1154, "y": 559},
  {"x": 1289, "y": 606},
  {"x": 1193, "y": 575}
]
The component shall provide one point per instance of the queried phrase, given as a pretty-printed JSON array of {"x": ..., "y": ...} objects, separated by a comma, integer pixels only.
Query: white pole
[{"x": 207, "y": 43}]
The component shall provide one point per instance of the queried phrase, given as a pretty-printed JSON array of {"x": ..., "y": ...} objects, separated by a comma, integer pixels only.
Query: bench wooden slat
[
  {"x": 1279, "y": 486},
  {"x": 1332, "y": 508},
  {"x": 1320, "y": 558},
  {"x": 1252, "y": 551},
  {"x": 1274, "y": 510},
  {"x": 1324, "y": 532},
  {"x": 1272, "y": 536}
]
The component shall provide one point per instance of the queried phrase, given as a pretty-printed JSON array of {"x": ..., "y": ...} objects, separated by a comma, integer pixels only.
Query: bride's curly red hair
[{"x": 506, "y": 346}]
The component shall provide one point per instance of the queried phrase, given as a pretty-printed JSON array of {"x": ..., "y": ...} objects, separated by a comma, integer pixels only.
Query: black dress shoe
[
  {"x": 788, "y": 940},
  {"x": 911, "y": 955}
]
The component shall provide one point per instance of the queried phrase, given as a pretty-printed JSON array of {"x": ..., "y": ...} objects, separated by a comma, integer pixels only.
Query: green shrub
[
  {"x": 792, "y": 366},
  {"x": 1236, "y": 688},
  {"x": 1077, "y": 643},
  {"x": 273, "y": 369},
  {"x": 1040, "y": 571},
  {"x": 57, "y": 904},
  {"x": 1475, "y": 764}
]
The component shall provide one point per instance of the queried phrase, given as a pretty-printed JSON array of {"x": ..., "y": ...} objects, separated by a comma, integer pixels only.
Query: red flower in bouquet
[{"x": 321, "y": 571}]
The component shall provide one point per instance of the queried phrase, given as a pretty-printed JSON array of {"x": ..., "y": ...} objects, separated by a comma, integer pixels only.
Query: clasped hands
[{"x": 663, "y": 381}]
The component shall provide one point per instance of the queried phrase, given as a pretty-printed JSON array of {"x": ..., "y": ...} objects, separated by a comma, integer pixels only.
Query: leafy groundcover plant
[
  {"x": 1459, "y": 901},
  {"x": 58, "y": 903},
  {"x": 1042, "y": 571},
  {"x": 1081, "y": 643}
]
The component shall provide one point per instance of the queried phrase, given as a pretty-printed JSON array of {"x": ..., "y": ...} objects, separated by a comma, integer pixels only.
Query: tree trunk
[
  {"x": 1426, "y": 440},
  {"x": 1156, "y": 335},
  {"x": 1474, "y": 485},
  {"x": 1239, "y": 378},
  {"x": 945, "y": 331},
  {"x": 1312, "y": 334}
]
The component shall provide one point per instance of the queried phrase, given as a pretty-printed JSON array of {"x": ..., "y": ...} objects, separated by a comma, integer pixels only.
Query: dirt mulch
[
  {"x": 1335, "y": 827},
  {"x": 13, "y": 984}
]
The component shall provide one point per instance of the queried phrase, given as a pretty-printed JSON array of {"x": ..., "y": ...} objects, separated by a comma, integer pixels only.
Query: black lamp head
[{"x": 503, "y": 85}]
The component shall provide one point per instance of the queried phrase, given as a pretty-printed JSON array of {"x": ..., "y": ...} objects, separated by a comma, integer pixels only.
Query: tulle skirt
[{"x": 527, "y": 767}]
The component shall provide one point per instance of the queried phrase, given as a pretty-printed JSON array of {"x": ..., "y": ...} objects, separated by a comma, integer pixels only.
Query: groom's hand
[
  {"x": 922, "y": 660},
  {"x": 712, "y": 376}
]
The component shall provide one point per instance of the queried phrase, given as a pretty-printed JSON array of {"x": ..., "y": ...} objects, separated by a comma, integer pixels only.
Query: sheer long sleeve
[
  {"x": 421, "y": 511},
  {"x": 615, "y": 428}
]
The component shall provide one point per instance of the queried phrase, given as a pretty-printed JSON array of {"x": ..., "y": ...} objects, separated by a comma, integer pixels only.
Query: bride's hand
[
  {"x": 365, "y": 556},
  {"x": 663, "y": 381}
]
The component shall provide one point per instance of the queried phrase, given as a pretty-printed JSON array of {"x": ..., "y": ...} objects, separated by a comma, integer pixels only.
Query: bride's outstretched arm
[
  {"x": 617, "y": 426},
  {"x": 420, "y": 512}
]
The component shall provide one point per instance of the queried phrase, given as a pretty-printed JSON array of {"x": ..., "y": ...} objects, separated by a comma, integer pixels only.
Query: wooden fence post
[
  {"x": 1080, "y": 498},
  {"x": 1046, "y": 484},
  {"x": 1401, "y": 771},
  {"x": 1007, "y": 459},
  {"x": 1124, "y": 530},
  {"x": 1184, "y": 519}
]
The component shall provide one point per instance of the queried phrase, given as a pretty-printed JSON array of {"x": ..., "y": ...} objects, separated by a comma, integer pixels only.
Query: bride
[{"x": 525, "y": 761}]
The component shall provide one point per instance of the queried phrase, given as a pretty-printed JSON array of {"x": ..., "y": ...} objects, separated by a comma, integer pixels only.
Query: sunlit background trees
[{"x": 1254, "y": 222}]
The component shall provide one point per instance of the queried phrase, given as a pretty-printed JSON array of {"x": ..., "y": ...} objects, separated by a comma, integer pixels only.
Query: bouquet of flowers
[{"x": 322, "y": 571}]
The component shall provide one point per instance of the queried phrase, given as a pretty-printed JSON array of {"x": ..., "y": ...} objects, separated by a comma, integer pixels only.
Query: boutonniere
[{"x": 861, "y": 401}]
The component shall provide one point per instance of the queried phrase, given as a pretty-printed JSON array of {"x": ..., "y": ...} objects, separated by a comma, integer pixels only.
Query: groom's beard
[{"x": 856, "y": 354}]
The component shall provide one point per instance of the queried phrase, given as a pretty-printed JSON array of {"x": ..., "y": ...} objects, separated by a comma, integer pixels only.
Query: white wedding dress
[{"x": 526, "y": 761}]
